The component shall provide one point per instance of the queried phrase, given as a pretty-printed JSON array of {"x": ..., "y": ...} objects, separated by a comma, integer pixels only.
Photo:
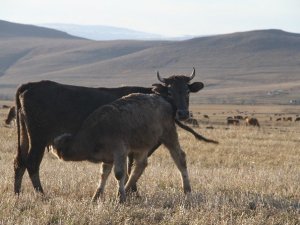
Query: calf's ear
[
  {"x": 196, "y": 86},
  {"x": 160, "y": 89}
]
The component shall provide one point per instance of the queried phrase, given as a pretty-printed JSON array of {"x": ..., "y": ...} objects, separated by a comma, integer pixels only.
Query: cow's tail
[
  {"x": 22, "y": 153},
  {"x": 20, "y": 159},
  {"x": 197, "y": 136},
  {"x": 18, "y": 109}
]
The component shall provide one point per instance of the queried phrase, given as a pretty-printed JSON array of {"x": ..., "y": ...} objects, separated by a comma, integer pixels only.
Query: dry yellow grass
[{"x": 251, "y": 177}]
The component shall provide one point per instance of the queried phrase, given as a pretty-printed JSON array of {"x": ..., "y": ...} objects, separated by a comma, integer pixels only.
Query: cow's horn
[
  {"x": 193, "y": 74},
  {"x": 163, "y": 80}
]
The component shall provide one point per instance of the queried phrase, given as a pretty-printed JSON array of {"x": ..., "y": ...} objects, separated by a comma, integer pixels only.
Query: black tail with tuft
[{"x": 197, "y": 136}]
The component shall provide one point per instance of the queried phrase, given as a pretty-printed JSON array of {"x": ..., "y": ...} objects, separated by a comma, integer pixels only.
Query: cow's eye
[{"x": 169, "y": 92}]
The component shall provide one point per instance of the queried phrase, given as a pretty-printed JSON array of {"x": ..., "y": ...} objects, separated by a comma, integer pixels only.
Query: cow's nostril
[{"x": 182, "y": 114}]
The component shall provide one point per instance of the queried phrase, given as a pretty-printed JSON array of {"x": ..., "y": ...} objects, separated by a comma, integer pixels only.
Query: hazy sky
[{"x": 166, "y": 17}]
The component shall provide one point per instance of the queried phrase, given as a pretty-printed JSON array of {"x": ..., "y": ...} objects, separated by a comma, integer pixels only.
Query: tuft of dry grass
[{"x": 251, "y": 177}]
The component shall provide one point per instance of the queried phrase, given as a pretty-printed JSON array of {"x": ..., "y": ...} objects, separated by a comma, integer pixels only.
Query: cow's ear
[
  {"x": 196, "y": 86},
  {"x": 160, "y": 89}
]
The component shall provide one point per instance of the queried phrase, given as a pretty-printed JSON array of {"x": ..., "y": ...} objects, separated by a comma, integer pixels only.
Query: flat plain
[{"x": 251, "y": 177}]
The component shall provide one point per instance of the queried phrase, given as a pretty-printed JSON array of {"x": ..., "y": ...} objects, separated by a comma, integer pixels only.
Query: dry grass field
[{"x": 251, "y": 177}]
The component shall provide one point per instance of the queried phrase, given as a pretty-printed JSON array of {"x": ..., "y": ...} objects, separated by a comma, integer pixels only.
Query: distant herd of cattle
[
  {"x": 105, "y": 125},
  {"x": 235, "y": 120}
]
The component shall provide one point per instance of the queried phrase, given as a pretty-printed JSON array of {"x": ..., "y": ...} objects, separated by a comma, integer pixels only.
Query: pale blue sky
[{"x": 166, "y": 17}]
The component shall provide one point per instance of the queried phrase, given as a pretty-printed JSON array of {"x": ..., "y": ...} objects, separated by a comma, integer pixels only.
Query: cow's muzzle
[{"x": 182, "y": 114}]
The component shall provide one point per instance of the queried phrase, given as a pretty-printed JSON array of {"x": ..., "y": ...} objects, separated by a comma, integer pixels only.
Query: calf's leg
[
  {"x": 105, "y": 171},
  {"x": 178, "y": 156},
  {"x": 133, "y": 186},
  {"x": 141, "y": 164},
  {"x": 120, "y": 172}
]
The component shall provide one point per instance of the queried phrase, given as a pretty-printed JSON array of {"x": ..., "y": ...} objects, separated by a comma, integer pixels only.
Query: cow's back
[{"x": 51, "y": 108}]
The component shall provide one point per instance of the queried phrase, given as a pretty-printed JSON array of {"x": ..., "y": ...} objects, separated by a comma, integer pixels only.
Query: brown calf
[
  {"x": 251, "y": 121},
  {"x": 133, "y": 124}
]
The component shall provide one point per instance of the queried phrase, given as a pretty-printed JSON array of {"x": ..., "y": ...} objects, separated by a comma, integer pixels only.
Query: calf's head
[
  {"x": 177, "y": 88},
  {"x": 61, "y": 146}
]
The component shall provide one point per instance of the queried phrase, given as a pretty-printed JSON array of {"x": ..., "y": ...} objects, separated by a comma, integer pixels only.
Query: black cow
[
  {"x": 231, "y": 121},
  {"x": 46, "y": 109}
]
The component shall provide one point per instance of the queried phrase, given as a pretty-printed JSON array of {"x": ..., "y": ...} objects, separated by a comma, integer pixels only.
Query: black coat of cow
[{"x": 46, "y": 109}]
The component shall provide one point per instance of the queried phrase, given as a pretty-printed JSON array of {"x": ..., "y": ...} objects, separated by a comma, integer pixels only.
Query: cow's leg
[
  {"x": 34, "y": 160},
  {"x": 105, "y": 171},
  {"x": 141, "y": 164},
  {"x": 178, "y": 156},
  {"x": 21, "y": 158},
  {"x": 19, "y": 168},
  {"x": 120, "y": 172}
]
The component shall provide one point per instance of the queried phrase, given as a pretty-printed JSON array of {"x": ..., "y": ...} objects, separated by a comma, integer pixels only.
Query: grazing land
[{"x": 251, "y": 177}]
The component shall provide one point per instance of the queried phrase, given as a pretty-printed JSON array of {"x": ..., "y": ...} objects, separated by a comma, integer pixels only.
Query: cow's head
[{"x": 177, "y": 88}]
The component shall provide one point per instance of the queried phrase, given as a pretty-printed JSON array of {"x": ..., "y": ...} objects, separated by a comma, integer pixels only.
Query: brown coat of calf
[
  {"x": 251, "y": 121},
  {"x": 133, "y": 124}
]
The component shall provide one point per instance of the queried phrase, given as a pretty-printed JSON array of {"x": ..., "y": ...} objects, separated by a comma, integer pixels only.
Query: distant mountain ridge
[
  {"x": 99, "y": 32},
  {"x": 10, "y": 29},
  {"x": 241, "y": 67}
]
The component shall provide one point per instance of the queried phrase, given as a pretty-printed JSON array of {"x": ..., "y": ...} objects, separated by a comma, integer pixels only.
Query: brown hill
[{"x": 247, "y": 67}]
